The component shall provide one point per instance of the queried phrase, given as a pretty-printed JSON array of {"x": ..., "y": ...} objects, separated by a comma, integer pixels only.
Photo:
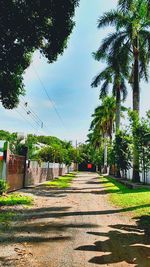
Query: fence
[
  {"x": 19, "y": 172},
  {"x": 15, "y": 172},
  {"x": 37, "y": 173},
  {"x": 147, "y": 176}
]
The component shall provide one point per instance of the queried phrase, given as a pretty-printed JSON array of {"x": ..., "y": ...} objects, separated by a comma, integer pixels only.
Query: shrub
[{"x": 3, "y": 186}]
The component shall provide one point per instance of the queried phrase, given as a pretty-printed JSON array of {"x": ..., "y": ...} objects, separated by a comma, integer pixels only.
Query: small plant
[
  {"x": 15, "y": 199},
  {"x": 3, "y": 186}
]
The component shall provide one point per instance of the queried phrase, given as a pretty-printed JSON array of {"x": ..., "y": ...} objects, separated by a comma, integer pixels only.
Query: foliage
[
  {"x": 3, "y": 186},
  {"x": 122, "y": 151},
  {"x": 62, "y": 152},
  {"x": 5, "y": 219},
  {"x": 26, "y": 26},
  {"x": 122, "y": 43},
  {"x": 104, "y": 117},
  {"x": 127, "y": 54},
  {"x": 15, "y": 142},
  {"x": 98, "y": 157},
  {"x": 141, "y": 134},
  {"x": 113, "y": 76},
  {"x": 55, "y": 150},
  {"x": 15, "y": 199},
  {"x": 49, "y": 140}
]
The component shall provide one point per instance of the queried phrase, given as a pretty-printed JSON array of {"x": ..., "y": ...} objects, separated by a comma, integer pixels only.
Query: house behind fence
[{"x": 20, "y": 172}]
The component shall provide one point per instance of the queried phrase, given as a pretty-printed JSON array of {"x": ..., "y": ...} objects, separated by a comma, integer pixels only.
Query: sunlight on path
[{"x": 75, "y": 227}]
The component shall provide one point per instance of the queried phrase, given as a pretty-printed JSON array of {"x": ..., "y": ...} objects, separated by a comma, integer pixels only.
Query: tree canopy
[{"x": 26, "y": 26}]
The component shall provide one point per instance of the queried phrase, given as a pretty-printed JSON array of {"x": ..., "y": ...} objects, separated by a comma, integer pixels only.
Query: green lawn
[
  {"x": 136, "y": 200},
  {"x": 62, "y": 181}
]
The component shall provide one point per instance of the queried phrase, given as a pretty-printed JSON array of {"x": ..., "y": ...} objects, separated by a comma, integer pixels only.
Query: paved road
[{"x": 76, "y": 227}]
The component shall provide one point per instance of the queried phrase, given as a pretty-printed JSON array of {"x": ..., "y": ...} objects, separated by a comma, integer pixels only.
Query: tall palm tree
[
  {"x": 131, "y": 42},
  {"x": 115, "y": 76},
  {"x": 95, "y": 138},
  {"x": 103, "y": 123}
]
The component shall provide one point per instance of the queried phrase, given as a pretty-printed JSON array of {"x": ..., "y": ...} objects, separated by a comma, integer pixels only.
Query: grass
[
  {"x": 6, "y": 219},
  {"x": 15, "y": 199},
  {"x": 136, "y": 200},
  {"x": 61, "y": 182},
  {"x": 11, "y": 200}
]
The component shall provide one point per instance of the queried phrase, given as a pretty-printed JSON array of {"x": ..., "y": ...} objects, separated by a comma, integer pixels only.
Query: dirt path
[{"x": 76, "y": 227}]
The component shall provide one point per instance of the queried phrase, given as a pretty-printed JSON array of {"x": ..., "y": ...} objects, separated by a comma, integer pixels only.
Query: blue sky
[{"x": 67, "y": 82}]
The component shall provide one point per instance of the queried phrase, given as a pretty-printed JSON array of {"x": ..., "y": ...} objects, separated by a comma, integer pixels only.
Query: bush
[{"x": 3, "y": 186}]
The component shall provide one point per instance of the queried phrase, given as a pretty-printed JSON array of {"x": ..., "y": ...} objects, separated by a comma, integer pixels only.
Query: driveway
[{"x": 75, "y": 227}]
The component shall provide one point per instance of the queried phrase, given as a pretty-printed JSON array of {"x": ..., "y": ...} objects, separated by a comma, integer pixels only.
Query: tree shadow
[
  {"x": 124, "y": 244},
  {"x": 61, "y": 193},
  {"x": 143, "y": 222},
  {"x": 91, "y": 182},
  {"x": 30, "y": 226},
  {"x": 31, "y": 239},
  {"x": 62, "y": 212},
  {"x": 6, "y": 261},
  {"x": 106, "y": 191},
  {"x": 46, "y": 192}
]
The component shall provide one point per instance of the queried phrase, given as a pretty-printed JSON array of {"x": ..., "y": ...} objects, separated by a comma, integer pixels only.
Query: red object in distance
[{"x": 89, "y": 166}]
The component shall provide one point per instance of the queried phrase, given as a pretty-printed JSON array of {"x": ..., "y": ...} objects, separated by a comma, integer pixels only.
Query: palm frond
[
  {"x": 105, "y": 46},
  {"x": 125, "y": 5},
  {"x": 112, "y": 18},
  {"x": 104, "y": 89},
  {"x": 104, "y": 75}
]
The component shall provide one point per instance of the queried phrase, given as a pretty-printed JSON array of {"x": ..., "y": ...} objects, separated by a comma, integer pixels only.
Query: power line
[
  {"x": 32, "y": 113},
  {"x": 28, "y": 112},
  {"x": 26, "y": 104},
  {"x": 36, "y": 129},
  {"x": 49, "y": 98}
]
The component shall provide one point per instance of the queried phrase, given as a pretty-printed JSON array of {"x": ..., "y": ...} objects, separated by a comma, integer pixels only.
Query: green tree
[
  {"x": 122, "y": 152},
  {"x": 113, "y": 75},
  {"x": 141, "y": 139},
  {"x": 103, "y": 123},
  {"x": 131, "y": 42},
  {"x": 26, "y": 26}
]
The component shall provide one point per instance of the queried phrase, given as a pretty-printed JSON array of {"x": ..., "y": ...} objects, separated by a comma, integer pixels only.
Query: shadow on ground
[
  {"x": 29, "y": 225},
  {"x": 122, "y": 243}
]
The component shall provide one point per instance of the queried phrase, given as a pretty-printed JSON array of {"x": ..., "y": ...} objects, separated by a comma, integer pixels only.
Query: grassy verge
[
  {"x": 61, "y": 182},
  {"x": 15, "y": 199},
  {"x": 6, "y": 216},
  {"x": 135, "y": 200}
]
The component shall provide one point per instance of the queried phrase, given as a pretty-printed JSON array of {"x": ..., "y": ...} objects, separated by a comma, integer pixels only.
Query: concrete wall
[
  {"x": 15, "y": 172},
  {"x": 37, "y": 173},
  {"x": 130, "y": 172}
]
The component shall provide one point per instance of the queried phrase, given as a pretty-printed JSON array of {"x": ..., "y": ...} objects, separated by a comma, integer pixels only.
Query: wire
[
  {"x": 31, "y": 113},
  {"x": 27, "y": 105},
  {"x": 28, "y": 112},
  {"x": 49, "y": 98}
]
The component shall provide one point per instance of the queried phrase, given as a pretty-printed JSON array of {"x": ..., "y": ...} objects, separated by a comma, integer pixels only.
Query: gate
[
  {"x": 86, "y": 167},
  {"x": 15, "y": 172}
]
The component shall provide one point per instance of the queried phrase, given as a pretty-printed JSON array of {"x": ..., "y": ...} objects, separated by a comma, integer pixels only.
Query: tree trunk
[
  {"x": 105, "y": 154},
  {"x": 118, "y": 113},
  {"x": 136, "y": 106},
  {"x": 118, "y": 108}
]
